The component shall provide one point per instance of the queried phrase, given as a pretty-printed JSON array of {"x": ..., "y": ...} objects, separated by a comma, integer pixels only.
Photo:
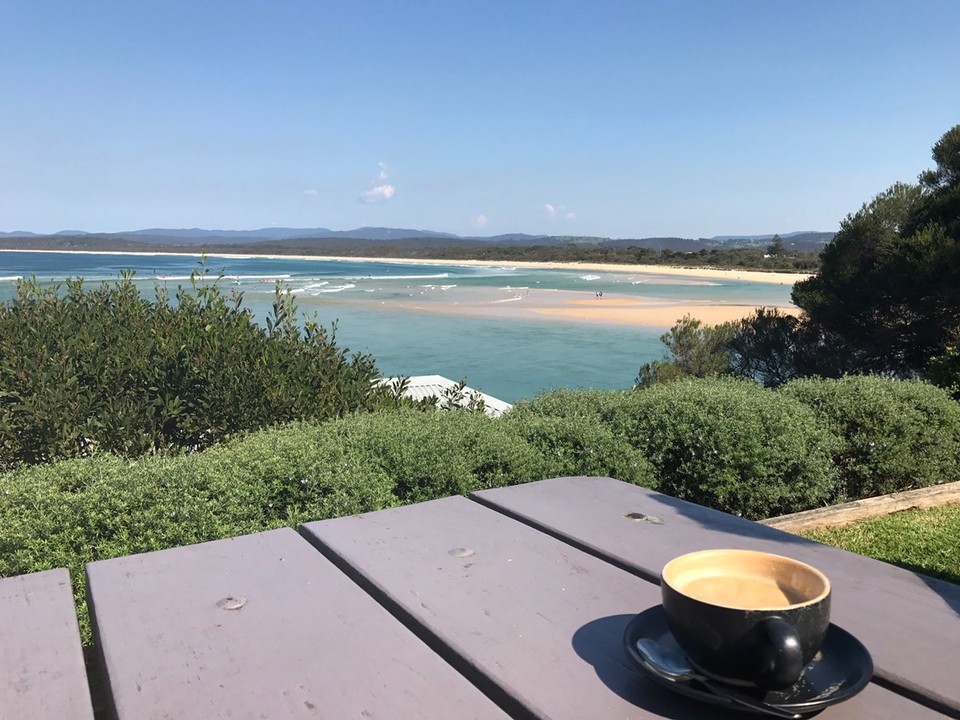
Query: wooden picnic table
[{"x": 510, "y": 603}]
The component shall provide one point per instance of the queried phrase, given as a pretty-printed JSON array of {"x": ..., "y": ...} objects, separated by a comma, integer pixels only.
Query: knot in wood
[
  {"x": 640, "y": 517},
  {"x": 232, "y": 603}
]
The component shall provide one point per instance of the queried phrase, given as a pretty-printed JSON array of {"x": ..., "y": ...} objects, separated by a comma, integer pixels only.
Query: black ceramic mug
[{"x": 746, "y": 617}]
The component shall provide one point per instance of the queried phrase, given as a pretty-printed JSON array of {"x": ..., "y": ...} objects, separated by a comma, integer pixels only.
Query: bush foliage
[
  {"x": 106, "y": 369},
  {"x": 894, "y": 434},
  {"x": 430, "y": 454},
  {"x": 581, "y": 445},
  {"x": 730, "y": 445},
  {"x": 694, "y": 350}
]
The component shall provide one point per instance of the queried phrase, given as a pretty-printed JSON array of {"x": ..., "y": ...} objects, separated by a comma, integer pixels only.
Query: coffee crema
[
  {"x": 740, "y": 592},
  {"x": 745, "y": 579}
]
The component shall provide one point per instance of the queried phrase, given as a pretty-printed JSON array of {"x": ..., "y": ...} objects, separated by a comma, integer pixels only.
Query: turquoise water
[{"x": 373, "y": 305}]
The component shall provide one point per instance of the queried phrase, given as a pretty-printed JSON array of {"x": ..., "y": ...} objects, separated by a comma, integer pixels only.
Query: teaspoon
[{"x": 671, "y": 665}]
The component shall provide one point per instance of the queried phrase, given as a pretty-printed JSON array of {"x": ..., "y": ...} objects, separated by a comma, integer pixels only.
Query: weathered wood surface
[
  {"x": 533, "y": 618},
  {"x": 910, "y": 624},
  {"x": 868, "y": 508},
  {"x": 261, "y": 626},
  {"x": 42, "y": 673}
]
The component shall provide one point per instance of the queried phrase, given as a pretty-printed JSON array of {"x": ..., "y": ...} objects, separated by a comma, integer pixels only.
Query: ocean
[{"x": 422, "y": 319}]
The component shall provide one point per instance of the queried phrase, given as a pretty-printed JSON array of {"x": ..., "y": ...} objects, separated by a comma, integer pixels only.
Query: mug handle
[{"x": 781, "y": 661}]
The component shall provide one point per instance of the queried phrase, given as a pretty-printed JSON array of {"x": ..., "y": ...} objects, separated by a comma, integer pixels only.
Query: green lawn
[{"x": 925, "y": 541}]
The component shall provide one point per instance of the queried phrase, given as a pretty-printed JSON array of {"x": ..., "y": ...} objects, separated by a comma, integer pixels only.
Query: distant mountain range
[{"x": 804, "y": 241}]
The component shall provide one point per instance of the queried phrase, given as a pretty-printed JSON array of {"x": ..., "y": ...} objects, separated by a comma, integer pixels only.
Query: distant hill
[
  {"x": 522, "y": 238},
  {"x": 277, "y": 233},
  {"x": 199, "y": 236},
  {"x": 800, "y": 234}
]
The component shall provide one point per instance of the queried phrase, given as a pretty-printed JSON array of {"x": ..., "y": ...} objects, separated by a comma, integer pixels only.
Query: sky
[{"x": 627, "y": 119}]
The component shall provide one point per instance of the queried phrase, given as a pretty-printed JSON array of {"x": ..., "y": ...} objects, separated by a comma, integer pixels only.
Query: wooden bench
[{"x": 41, "y": 659}]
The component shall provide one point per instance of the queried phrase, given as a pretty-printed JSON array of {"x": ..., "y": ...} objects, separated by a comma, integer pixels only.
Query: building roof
[{"x": 421, "y": 387}]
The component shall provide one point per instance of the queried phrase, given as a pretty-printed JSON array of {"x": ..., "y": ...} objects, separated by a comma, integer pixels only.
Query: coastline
[{"x": 761, "y": 276}]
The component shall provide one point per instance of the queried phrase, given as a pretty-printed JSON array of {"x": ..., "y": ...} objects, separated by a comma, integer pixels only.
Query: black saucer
[{"x": 840, "y": 670}]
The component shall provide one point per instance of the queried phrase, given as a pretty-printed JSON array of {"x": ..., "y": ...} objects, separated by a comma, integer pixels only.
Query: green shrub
[
  {"x": 431, "y": 454},
  {"x": 582, "y": 445},
  {"x": 895, "y": 434},
  {"x": 296, "y": 473},
  {"x": 694, "y": 350},
  {"x": 106, "y": 370},
  {"x": 730, "y": 445}
]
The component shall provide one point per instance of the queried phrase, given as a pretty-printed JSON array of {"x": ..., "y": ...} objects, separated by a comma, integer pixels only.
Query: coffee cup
[{"x": 745, "y": 617}]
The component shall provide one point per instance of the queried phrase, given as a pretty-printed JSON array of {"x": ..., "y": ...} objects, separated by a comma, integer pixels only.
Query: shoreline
[{"x": 761, "y": 276}]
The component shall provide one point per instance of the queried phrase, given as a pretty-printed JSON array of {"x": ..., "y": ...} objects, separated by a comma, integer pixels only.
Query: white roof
[{"x": 421, "y": 387}]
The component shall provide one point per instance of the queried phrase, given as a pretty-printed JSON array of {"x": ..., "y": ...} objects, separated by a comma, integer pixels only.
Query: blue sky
[{"x": 619, "y": 119}]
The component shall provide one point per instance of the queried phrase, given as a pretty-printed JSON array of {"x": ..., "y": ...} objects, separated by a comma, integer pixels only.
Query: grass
[{"x": 924, "y": 541}]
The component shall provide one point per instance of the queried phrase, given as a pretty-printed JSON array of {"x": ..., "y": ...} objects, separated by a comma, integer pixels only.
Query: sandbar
[
  {"x": 656, "y": 316},
  {"x": 574, "y": 306}
]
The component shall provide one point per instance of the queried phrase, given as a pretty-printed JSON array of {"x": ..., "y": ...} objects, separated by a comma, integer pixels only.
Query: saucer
[{"x": 839, "y": 671}]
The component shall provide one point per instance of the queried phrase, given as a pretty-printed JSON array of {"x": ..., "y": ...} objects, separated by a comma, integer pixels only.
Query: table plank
[
  {"x": 511, "y": 606},
  {"x": 910, "y": 624},
  {"x": 41, "y": 659},
  {"x": 261, "y": 626}
]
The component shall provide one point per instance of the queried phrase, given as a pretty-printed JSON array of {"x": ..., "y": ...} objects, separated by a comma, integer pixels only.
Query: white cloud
[
  {"x": 381, "y": 190},
  {"x": 379, "y": 194},
  {"x": 311, "y": 192},
  {"x": 551, "y": 210},
  {"x": 481, "y": 221},
  {"x": 571, "y": 215}
]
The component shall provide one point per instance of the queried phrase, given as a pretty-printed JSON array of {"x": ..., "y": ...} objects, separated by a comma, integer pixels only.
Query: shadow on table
[
  {"x": 600, "y": 643},
  {"x": 949, "y": 592}
]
